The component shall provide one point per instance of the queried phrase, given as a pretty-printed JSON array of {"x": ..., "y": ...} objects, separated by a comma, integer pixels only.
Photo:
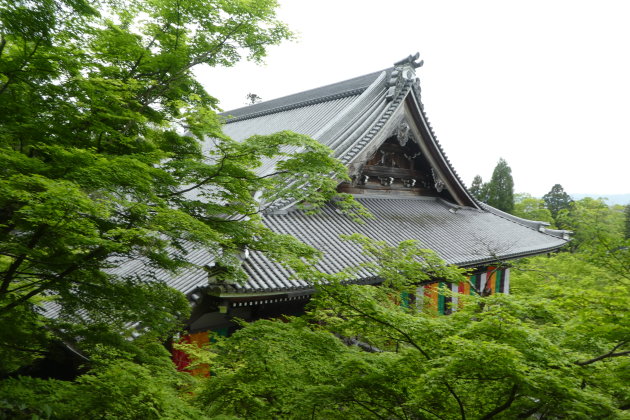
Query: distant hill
[{"x": 622, "y": 199}]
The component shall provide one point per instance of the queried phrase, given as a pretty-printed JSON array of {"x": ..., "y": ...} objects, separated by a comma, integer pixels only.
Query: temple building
[{"x": 377, "y": 126}]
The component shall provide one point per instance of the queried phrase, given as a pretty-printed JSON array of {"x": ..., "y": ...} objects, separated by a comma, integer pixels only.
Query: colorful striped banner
[
  {"x": 490, "y": 284},
  {"x": 441, "y": 299},
  {"x": 431, "y": 294},
  {"x": 494, "y": 280},
  {"x": 499, "y": 282}
]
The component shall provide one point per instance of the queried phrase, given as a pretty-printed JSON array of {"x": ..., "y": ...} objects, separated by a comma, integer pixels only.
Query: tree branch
[
  {"x": 200, "y": 183},
  {"x": 409, "y": 340},
  {"x": 503, "y": 406},
  {"x": 10, "y": 272},
  {"x": 608, "y": 355},
  {"x": 72, "y": 268},
  {"x": 27, "y": 285},
  {"x": 462, "y": 412},
  {"x": 135, "y": 65},
  {"x": 24, "y": 63},
  {"x": 366, "y": 407},
  {"x": 3, "y": 42},
  {"x": 149, "y": 95},
  {"x": 215, "y": 50},
  {"x": 407, "y": 337},
  {"x": 23, "y": 298}
]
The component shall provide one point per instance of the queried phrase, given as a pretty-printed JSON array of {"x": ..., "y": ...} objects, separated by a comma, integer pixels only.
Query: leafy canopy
[
  {"x": 531, "y": 208},
  {"x": 111, "y": 151},
  {"x": 557, "y": 348},
  {"x": 627, "y": 222}
]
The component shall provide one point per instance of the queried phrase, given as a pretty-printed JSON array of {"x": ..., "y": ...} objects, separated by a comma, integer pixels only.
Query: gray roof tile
[{"x": 460, "y": 235}]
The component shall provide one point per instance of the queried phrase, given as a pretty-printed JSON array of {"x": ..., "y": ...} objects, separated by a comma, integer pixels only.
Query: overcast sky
[{"x": 543, "y": 84}]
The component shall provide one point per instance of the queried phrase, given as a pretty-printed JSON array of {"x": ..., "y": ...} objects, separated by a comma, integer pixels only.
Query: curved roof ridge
[
  {"x": 534, "y": 224},
  {"x": 392, "y": 104},
  {"x": 378, "y": 120},
  {"x": 329, "y": 128},
  {"x": 364, "y": 122},
  {"x": 538, "y": 225}
]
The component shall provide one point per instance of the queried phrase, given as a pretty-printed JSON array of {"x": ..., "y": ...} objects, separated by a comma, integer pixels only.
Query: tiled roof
[
  {"x": 460, "y": 235},
  {"x": 336, "y": 120},
  {"x": 347, "y": 117},
  {"x": 186, "y": 280}
]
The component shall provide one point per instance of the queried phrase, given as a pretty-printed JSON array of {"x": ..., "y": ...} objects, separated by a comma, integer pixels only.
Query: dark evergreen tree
[
  {"x": 557, "y": 199},
  {"x": 479, "y": 189},
  {"x": 500, "y": 189}
]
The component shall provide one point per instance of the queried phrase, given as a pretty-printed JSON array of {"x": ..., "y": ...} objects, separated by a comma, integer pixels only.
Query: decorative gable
[{"x": 397, "y": 167}]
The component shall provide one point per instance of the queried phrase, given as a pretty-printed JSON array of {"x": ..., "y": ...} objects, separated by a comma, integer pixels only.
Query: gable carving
[
  {"x": 397, "y": 167},
  {"x": 403, "y": 133},
  {"x": 439, "y": 183}
]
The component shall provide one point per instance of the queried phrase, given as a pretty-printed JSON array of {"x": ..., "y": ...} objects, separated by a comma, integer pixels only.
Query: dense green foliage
[
  {"x": 119, "y": 390},
  {"x": 557, "y": 348},
  {"x": 593, "y": 223},
  {"x": 531, "y": 208},
  {"x": 101, "y": 160}
]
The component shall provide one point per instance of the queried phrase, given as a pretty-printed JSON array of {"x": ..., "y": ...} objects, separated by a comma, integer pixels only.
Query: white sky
[{"x": 543, "y": 84}]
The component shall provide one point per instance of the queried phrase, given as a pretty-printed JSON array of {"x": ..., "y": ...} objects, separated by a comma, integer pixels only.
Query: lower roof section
[{"x": 461, "y": 236}]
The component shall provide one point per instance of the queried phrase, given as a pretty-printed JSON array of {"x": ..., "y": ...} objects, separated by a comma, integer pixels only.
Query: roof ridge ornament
[
  {"x": 402, "y": 74},
  {"x": 410, "y": 61}
]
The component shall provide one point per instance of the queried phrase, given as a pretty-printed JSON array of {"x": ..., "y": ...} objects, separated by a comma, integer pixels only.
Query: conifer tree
[
  {"x": 557, "y": 199},
  {"x": 500, "y": 189},
  {"x": 479, "y": 189}
]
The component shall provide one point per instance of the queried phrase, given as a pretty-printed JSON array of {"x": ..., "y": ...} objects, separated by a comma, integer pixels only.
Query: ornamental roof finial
[{"x": 411, "y": 60}]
